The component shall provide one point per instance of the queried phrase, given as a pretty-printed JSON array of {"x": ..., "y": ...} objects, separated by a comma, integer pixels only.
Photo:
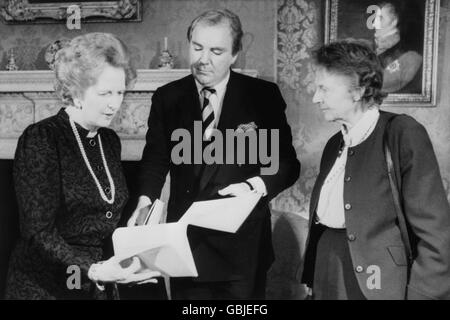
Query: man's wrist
[{"x": 144, "y": 201}]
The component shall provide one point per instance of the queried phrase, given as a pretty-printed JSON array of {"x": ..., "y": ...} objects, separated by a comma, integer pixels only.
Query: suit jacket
[
  {"x": 219, "y": 256},
  {"x": 373, "y": 233}
]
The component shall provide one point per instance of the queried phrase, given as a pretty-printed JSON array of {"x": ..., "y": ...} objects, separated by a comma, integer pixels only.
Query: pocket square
[{"x": 251, "y": 126}]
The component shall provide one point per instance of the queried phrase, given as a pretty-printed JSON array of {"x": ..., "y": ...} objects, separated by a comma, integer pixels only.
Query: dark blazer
[
  {"x": 219, "y": 256},
  {"x": 374, "y": 237}
]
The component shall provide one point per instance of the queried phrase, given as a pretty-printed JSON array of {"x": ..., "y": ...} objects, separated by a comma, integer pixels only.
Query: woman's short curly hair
[
  {"x": 78, "y": 65},
  {"x": 356, "y": 60}
]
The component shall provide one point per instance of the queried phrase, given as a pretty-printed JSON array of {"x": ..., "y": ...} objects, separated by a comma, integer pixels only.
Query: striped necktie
[{"x": 207, "y": 112}]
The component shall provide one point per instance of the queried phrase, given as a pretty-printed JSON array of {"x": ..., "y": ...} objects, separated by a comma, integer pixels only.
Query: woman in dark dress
[{"x": 69, "y": 182}]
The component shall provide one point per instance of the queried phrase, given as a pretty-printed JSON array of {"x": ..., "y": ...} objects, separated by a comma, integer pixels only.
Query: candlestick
[
  {"x": 165, "y": 43},
  {"x": 11, "y": 66}
]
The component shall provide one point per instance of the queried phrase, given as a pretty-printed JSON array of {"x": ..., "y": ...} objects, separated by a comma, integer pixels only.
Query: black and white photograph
[{"x": 223, "y": 157}]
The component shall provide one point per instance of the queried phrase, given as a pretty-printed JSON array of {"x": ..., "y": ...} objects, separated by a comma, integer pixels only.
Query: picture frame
[
  {"x": 38, "y": 11},
  {"x": 410, "y": 66}
]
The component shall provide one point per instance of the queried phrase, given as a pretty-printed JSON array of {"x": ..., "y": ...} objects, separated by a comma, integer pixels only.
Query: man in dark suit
[{"x": 230, "y": 265}]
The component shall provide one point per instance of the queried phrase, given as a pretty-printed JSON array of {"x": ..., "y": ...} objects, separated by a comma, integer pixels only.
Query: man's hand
[
  {"x": 143, "y": 202},
  {"x": 235, "y": 189}
]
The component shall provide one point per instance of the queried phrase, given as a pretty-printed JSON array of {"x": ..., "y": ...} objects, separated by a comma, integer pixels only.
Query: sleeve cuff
[
  {"x": 144, "y": 201},
  {"x": 258, "y": 185}
]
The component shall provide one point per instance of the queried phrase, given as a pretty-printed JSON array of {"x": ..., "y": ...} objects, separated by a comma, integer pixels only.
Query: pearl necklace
[{"x": 88, "y": 165}]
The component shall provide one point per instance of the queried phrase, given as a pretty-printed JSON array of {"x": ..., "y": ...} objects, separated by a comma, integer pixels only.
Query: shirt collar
[
  {"x": 359, "y": 132},
  {"x": 220, "y": 87}
]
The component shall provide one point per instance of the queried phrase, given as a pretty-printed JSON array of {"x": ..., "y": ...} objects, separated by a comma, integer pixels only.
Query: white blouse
[{"x": 330, "y": 209}]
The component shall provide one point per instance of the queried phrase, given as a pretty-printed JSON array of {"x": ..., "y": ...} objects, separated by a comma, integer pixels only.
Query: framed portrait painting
[
  {"x": 403, "y": 33},
  {"x": 47, "y": 11}
]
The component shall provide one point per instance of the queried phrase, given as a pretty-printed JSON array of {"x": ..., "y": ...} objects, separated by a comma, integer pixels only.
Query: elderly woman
[
  {"x": 69, "y": 182},
  {"x": 355, "y": 248}
]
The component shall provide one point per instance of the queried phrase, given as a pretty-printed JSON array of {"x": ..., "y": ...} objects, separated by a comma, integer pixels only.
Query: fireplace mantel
[
  {"x": 27, "y": 97},
  {"x": 42, "y": 80}
]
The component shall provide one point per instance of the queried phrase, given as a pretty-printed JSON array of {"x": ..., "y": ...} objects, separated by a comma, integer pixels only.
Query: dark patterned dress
[{"x": 63, "y": 219}]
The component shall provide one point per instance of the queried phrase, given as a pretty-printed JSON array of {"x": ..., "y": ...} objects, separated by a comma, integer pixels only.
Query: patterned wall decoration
[{"x": 297, "y": 34}]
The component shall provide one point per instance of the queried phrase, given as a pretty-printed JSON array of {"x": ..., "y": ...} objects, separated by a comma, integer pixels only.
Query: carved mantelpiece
[
  {"x": 27, "y": 97},
  {"x": 22, "y": 11}
]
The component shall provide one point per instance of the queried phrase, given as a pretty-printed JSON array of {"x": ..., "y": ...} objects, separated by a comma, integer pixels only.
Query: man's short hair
[{"x": 219, "y": 16}]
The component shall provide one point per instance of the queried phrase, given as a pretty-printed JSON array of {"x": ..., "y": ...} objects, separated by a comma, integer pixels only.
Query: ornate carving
[
  {"x": 22, "y": 11},
  {"x": 15, "y": 116}
]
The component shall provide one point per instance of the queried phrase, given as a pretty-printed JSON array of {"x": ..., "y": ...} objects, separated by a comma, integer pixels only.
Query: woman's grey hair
[
  {"x": 356, "y": 60},
  {"x": 215, "y": 17},
  {"x": 79, "y": 64}
]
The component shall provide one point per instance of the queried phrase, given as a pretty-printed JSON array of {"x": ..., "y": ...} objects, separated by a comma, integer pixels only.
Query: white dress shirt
[{"x": 330, "y": 209}]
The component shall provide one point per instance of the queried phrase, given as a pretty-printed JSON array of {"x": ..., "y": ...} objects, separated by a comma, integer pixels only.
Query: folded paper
[{"x": 165, "y": 247}]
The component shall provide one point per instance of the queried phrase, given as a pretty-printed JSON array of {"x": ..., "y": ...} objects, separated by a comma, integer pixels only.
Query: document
[
  {"x": 224, "y": 214},
  {"x": 151, "y": 214},
  {"x": 161, "y": 247},
  {"x": 165, "y": 247}
]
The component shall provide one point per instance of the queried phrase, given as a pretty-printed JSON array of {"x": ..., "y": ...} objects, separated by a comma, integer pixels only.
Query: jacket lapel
[{"x": 190, "y": 105}]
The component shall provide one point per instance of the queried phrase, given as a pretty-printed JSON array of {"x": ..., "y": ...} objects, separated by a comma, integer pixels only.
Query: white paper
[
  {"x": 165, "y": 247},
  {"x": 162, "y": 247},
  {"x": 223, "y": 214}
]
